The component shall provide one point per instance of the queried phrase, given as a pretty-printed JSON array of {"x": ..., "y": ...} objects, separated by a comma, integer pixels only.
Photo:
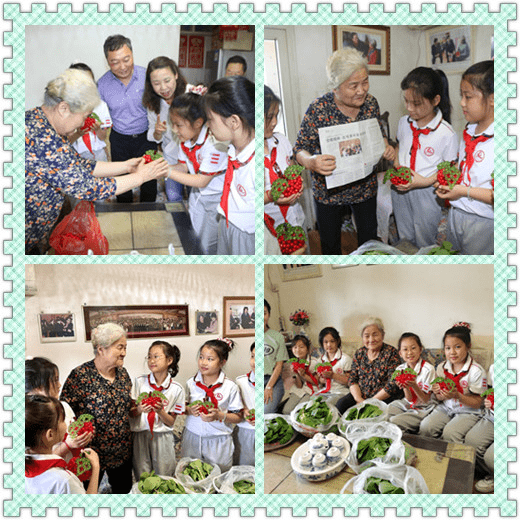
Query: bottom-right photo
[{"x": 378, "y": 379}]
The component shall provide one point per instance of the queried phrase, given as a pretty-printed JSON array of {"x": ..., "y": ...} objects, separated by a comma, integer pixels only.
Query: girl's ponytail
[{"x": 445, "y": 104}]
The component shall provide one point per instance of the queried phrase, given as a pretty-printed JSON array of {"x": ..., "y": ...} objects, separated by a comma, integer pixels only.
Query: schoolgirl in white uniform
[
  {"x": 244, "y": 433},
  {"x": 408, "y": 413},
  {"x": 46, "y": 472},
  {"x": 305, "y": 380},
  {"x": 330, "y": 341},
  {"x": 230, "y": 108},
  {"x": 482, "y": 438},
  {"x": 208, "y": 436},
  {"x": 164, "y": 81},
  {"x": 202, "y": 161},
  {"x": 458, "y": 411},
  {"x": 157, "y": 452},
  {"x": 425, "y": 139},
  {"x": 42, "y": 378},
  {"x": 277, "y": 157},
  {"x": 471, "y": 217}
]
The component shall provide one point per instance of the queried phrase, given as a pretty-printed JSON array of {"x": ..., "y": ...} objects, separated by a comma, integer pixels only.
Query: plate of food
[{"x": 278, "y": 432}]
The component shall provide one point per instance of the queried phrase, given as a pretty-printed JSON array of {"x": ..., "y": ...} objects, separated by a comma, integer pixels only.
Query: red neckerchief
[
  {"x": 269, "y": 222},
  {"x": 416, "y": 144},
  {"x": 232, "y": 166},
  {"x": 314, "y": 380},
  {"x": 37, "y": 467},
  {"x": 249, "y": 379},
  {"x": 209, "y": 391},
  {"x": 456, "y": 378},
  {"x": 158, "y": 388},
  {"x": 270, "y": 164},
  {"x": 414, "y": 395},
  {"x": 471, "y": 143},
  {"x": 191, "y": 153}
]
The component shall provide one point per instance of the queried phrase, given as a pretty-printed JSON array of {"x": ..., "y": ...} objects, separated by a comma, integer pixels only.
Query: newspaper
[{"x": 357, "y": 147}]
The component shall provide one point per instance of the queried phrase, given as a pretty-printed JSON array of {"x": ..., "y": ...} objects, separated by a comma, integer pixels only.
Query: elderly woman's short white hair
[
  {"x": 342, "y": 64},
  {"x": 76, "y": 88},
  {"x": 373, "y": 321},
  {"x": 106, "y": 335}
]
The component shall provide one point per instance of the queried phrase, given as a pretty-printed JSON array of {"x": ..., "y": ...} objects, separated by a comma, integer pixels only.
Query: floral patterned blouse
[
  {"x": 87, "y": 391},
  {"x": 372, "y": 376},
  {"x": 53, "y": 169},
  {"x": 321, "y": 113}
]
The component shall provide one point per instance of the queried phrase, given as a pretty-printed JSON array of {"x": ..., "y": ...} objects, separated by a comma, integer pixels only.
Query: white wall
[
  {"x": 425, "y": 299},
  {"x": 50, "y": 49},
  {"x": 66, "y": 288},
  {"x": 311, "y": 46}
]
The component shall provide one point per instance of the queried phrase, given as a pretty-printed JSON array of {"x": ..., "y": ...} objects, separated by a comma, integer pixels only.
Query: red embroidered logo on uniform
[
  {"x": 464, "y": 384},
  {"x": 219, "y": 397},
  {"x": 241, "y": 190},
  {"x": 214, "y": 158},
  {"x": 429, "y": 151},
  {"x": 479, "y": 156}
]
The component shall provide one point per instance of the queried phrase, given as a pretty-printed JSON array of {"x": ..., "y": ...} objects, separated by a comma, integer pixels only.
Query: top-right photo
[{"x": 379, "y": 140}]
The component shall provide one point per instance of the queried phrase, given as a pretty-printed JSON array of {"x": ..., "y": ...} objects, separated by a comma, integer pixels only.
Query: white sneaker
[{"x": 486, "y": 485}]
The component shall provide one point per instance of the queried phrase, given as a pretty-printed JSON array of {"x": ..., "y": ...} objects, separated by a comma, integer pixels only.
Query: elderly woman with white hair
[
  {"x": 372, "y": 368},
  {"x": 347, "y": 102},
  {"x": 53, "y": 169},
  {"x": 102, "y": 388}
]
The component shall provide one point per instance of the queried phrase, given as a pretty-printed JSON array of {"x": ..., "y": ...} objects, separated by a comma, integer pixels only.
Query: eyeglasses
[{"x": 154, "y": 358}]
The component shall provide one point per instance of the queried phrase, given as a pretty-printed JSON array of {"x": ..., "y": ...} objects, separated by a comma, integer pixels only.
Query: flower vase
[{"x": 303, "y": 332}]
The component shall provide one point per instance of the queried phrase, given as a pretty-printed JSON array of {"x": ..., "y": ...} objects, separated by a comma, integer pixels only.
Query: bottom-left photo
[{"x": 139, "y": 379}]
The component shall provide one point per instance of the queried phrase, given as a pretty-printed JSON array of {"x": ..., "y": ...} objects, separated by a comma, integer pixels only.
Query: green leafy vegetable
[
  {"x": 370, "y": 449},
  {"x": 380, "y": 486},
  {"x": 244, "y": 487},
  {"x": 365, "y": 412},
  {"x": 198, "y": 470},
  {"x": 445, "y": 249},
  {"x": 151, "y": 484},
  {"x": 278, "y": 431},
  {"x": 316, "y": 413}
]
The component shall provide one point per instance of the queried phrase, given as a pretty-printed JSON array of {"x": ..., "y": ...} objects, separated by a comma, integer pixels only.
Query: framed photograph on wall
[
  {"x": 373, "y": 41},
  {"x": 57, "y": 327},
  {"x": 140, "y": 321},
  {"x": 206, "y": 322},
  {"x": 239, "y": 316},
  {"x": 450, "y": 47}
]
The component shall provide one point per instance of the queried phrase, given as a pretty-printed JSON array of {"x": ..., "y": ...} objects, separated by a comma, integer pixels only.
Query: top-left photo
[{"x": 139, "y": 140}]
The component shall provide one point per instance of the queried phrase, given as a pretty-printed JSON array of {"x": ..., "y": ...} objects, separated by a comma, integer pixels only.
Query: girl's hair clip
[
  {"x": 464, "y": 324},
  {"x": 227, "y": 340},
  {"x": 197, "y": 89}
]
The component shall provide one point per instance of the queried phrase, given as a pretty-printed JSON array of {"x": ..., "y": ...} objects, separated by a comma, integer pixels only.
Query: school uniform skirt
[
  {"x": 203, "y": 214},
  {"x": 244, "y": 439},
  {"x": 214, "y": 449},
  {"x": 469, "y": 233},
  {"x": 156, "y": 454},
  {"x": 234, "y": 241}
]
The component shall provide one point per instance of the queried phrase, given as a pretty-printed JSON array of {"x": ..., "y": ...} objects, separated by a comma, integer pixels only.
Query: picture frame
[
  {"x": 456, "y": 56},
  {"x": 373, "y": 41},
  {"x": 206, "y": 322},
  {"x": 140, "y": 321},
  {"x": 236, "y": 324},
  {"x": 56, "y": 327}
]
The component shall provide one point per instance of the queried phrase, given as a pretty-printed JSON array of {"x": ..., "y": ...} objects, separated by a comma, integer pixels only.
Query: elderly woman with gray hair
[
  {"x": 347, "y": 102},
  {"x": 102, "y": 388},
  {"x": 53, "y": 169},
  {"x": 372, "y": 368}
]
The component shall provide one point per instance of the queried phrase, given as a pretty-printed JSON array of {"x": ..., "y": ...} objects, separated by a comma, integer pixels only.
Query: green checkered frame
[{"x": 376, "y": 15}]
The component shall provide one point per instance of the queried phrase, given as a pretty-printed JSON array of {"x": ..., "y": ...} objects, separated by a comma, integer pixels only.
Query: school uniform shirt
[
  {"x": 246, "y": 386},
  {"x": 228, "y": 397},
  {"x": 283, "y": 150},
  {"x": 241, "y": 199},
  {"x": 54, "y": 481},
  {"x": 172, "y": 390},
  {"x": 440, "y": 144},
  {"x": 425, "y": 375},
  {"x": 474, "y": 381},
  {"x": 306, "y": 389},
  {"x": 95, "y": 142},
  {"x": 342, "y": 363},
  {"x": 211, "y": 159},
  {"x": 479, "y": 174},
  {"x": 274, "y": 350}
]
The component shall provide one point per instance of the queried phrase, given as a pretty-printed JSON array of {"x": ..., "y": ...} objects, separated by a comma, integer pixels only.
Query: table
[
  {"x": 148, "y": 228},
  {"x": 446, "y": 467}
]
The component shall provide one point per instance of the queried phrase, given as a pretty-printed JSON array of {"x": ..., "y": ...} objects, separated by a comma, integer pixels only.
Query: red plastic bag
[{"x": 78, "y": 232}]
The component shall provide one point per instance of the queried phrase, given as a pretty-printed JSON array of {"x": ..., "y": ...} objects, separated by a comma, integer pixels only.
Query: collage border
[{"x": 117, "y": 14}]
